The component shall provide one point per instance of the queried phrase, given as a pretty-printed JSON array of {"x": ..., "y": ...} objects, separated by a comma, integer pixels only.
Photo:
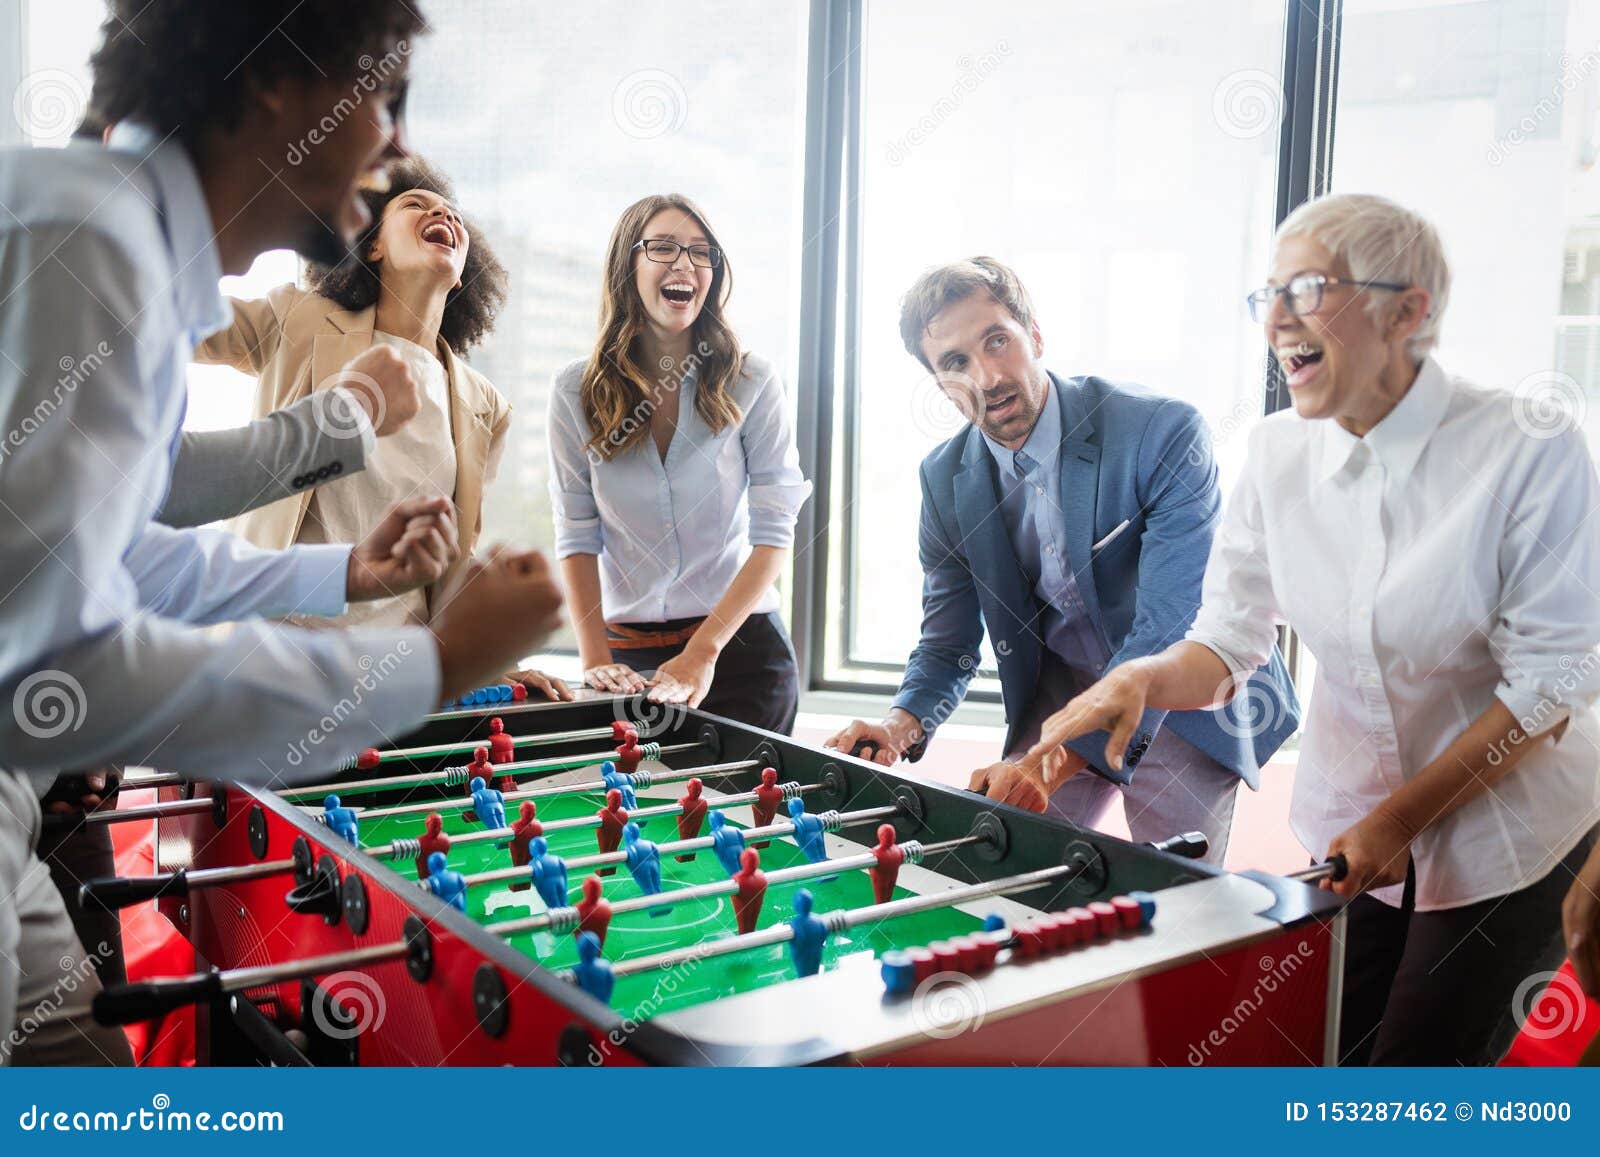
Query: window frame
[{"x": 830, "y": 284}]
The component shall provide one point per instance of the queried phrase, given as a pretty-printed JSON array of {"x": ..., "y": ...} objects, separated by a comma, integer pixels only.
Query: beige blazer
[{"x": 295, "y": 341}]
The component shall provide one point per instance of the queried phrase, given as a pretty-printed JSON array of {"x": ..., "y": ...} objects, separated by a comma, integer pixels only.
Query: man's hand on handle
[
  {"x": 887, "y": 742},
  {"x": 1028, "y": 782}
]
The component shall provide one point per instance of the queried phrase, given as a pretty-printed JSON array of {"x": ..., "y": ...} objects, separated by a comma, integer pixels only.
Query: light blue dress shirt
[
  {"x": 108, "y": 276},
  {"x": 671, "y": 535},
  {"x": 1030, "y": 506}
]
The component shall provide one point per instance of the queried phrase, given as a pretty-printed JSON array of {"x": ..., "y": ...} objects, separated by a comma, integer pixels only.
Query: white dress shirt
[
  {"x": 671, "y": 535},
  {"x": 108, "y": 276},
  {"x": 1446, "y": 559}
]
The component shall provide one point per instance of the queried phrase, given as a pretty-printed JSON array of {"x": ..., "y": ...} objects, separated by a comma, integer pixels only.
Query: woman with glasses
[
  {"x": 1434, "y": 545},
  {"x": 676, "y": 483}
]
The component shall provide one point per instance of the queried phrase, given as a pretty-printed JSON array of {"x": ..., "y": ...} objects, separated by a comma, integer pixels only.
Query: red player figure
[
  {"x": 692, "y": 815},
  {"x": 594, "y": 910},
  {"x": 890, "y": 856},
  {"x": 501, "y": 750},
  {"x": 629, "y": 754},
  {"x": 482, "y": 768},
  {"x": 433, "y": 840},
  {"x": 622, "y": 733},
  {"x": 768, "y": 796},
  {"x": 752, "y": 891},
  {"x": 523, "y": 830},
  {"x": 613, "y": 818}
]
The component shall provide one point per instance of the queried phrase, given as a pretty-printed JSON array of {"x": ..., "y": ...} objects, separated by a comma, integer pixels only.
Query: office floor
[{"x": 1261, "y": 836}]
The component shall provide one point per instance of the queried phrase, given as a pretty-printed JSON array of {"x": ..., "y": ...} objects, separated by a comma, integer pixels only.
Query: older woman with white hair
[{"x": 1437, "y": 553}]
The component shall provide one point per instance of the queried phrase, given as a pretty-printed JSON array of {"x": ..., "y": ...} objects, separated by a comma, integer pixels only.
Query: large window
[
  {"x": 1483, "y": 117},
  {"x": 1121, "y": 157},
  {"x": 553, "y": 119}
]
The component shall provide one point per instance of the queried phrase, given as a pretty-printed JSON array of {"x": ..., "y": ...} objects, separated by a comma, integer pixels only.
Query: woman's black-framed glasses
[
  {"x": 1303, "y": 293},
  {"x": 666, "y": 252}
]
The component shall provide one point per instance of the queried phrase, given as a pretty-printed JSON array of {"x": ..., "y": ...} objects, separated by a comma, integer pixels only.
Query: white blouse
[
  {"x": 1449, "y": 558},
  {"x": 671, "y": 535}
]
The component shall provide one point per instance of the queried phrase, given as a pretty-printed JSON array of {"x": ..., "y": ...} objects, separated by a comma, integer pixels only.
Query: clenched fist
[
  {"x": 413, "y": 546},
  {"x": 382, "y": 382}
]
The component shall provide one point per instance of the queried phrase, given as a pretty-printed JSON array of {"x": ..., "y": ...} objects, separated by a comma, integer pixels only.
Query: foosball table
[{"x": 612, "y": 881}]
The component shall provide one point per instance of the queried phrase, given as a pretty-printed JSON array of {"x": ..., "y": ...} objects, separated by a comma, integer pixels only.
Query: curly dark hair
[
  {"x": 186, "y": 67},
  {"x": 469, "y": 312}
]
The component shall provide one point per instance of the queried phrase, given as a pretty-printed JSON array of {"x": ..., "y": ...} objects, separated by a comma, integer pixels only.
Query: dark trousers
[
  {"x": 1444, "y": 987},
  {"x": 756, "y": 680},
  {"x": 74, "y": 855}
]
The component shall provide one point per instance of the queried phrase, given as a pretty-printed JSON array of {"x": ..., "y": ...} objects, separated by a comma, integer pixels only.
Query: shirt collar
[
  {"x": 186, "y": 221},
  {"x": 1044, "y": 440},
  {"x": 1399, "y": 439}
]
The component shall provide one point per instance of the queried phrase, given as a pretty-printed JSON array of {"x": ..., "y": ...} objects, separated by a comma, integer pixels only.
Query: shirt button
[
  {"x": 1049, "y": 550},
  {"x": 1039, "y": 490}
]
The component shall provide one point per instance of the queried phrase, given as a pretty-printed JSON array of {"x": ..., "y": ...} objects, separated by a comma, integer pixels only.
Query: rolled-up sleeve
[
  {"x": 577, "y": 516},
  {"x": 1239, "y": 612},
  {"x": 1546, "y": 635},
  {"x": 777, "y": 488}
]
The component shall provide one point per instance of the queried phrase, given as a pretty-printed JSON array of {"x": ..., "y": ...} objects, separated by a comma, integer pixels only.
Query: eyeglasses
[
  {"x": 1303, "y": 293},
  {"x": 666, "y": 252}
]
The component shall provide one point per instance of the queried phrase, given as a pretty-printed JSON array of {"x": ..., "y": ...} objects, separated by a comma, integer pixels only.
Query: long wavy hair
[{"x": 618, "y": 393}]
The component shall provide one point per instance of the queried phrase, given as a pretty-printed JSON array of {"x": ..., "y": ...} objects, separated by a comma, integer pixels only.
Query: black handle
[
  {"x": 143, "y": 1000},
  {"x": 864, "y": 749},
  {"x": 1339, "y": 867},
  {"x": 1190, "y": 845},
  {"x": 109, "y": 893}
]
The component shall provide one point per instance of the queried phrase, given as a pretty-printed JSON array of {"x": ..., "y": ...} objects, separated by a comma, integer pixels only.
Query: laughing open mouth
[
  {"x": 439, "y": 233},
  {"x": 1303, "y": 355},
  {"x": 678, "y": 293}
]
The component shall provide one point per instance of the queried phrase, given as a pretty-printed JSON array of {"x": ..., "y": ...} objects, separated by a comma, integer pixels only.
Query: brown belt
[{"x": 622, "y": 637}]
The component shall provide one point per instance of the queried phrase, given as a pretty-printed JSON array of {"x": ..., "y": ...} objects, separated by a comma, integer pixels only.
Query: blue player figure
[
  {"x": 644, "y": 862},
  {"x": 613, "y": 778},
  {"x": 489, "y": 804},
  {"x": 340, "y": 820},
  {"x": 808, "y": 834},
  {"x": 810, "y": 933},
  {"x": 727, "y": 843},
  {"x": 593, "y": 971},
  {"x": 807, "y": 831},
  {"x": 450, "y": 886},
  {"x": 549, "y": 873}
]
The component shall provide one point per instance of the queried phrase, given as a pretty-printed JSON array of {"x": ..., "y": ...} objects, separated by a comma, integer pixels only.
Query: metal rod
[
  {"x": 1333, "y": 868},
  {"x": 543, "y": 920},
  {"x": 239, "y": 979},
  {"x": 551, "y": 763},
  {"x": 838, "y": 921},
  {"x": 383, "y": 851},
  {"x": 211, "y": 877},
  {"x": 156, "y": 779},
  {"x": 463, "y": 746},
  {"x": 544, "y": 792},
  {"x": 694, "y": 844},
  {"x": 151, "y": 811}
]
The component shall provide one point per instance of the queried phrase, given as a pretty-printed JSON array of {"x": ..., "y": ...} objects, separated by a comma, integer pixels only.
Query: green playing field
[{"x": 635, "y": 934}]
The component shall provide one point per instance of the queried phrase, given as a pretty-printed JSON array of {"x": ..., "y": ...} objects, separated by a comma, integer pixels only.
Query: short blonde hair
[{"x": 1378, "y": 240}]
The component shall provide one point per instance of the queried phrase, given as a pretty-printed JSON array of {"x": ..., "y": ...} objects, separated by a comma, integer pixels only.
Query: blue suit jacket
[{"x": 1137, "y": 478}]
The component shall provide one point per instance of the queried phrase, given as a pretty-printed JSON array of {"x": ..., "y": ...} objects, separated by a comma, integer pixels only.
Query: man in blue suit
[{"x": 1071, "y": 522}]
